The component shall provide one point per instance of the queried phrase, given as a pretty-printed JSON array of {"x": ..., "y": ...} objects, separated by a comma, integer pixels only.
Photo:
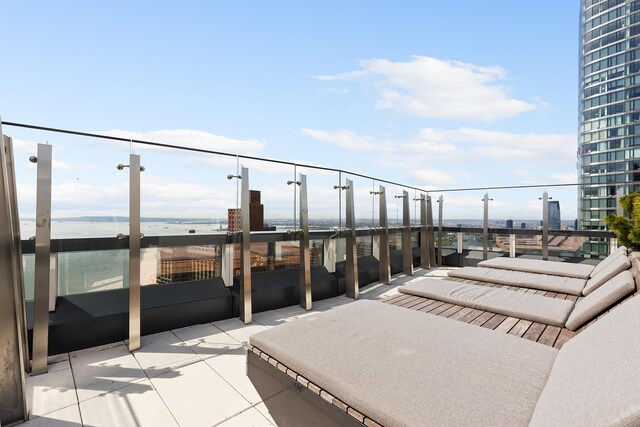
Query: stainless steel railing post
[
  {"x": 305, "y": 259},
  {"x": 134, "y": 252},
  {"x": 440, "y": 204},
  {"x": 245, "y": 250},
  {"x": 545, "y": 226},
  {"x": 352, "y": 285},
  {"x": 407, "y": 253},
  {"x": 42, "y": 261},
  {"x": 430, "y": 234}
]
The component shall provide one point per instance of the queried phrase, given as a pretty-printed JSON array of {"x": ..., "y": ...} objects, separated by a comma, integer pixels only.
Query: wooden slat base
[{"x": 538, "y": 332}]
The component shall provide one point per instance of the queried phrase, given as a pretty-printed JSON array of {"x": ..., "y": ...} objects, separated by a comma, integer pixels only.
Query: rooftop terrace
[{"x": 102, "y": 321}]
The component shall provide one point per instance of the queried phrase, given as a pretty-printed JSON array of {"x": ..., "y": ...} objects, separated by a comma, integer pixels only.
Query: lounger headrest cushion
[
  {"x": 594, "y": 379},
  {"x": 605, "y": 296},
  {"x": 621, "y": 251},
  {"x": 617, "y": 265}
]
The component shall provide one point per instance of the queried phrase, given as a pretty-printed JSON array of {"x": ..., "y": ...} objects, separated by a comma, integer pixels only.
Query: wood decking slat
[
  {"x": 534, "y": 331},
  {"x": 441, "y": 309},
  {"x": 507, "y": 324},
  {"x": 461, "y": 313},
  {"x": 549, "y": 335},
  {"x": 451, "y": 311},
  {"x": 482, "y": 318},
  {"x": 520, "y": 328},
  {"x": 409, "y": 301},
  {"x": 494, "y": 321},
  {"x": 564, "y": 336}
]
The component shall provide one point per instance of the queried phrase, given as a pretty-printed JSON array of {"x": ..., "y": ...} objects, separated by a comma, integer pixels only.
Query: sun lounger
[
  {"x": 554, "y": 268},
  {"x": 546, "y": 282},
  {"x": 536, "y": 308},
  {"x": 377, "y": 363}
]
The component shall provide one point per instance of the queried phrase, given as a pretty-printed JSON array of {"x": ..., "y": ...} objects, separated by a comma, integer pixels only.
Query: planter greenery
[{"x": 627, "y": 229}]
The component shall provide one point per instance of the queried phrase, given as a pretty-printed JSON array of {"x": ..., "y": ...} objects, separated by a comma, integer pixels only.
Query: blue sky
[{"x": 432, "y": 94}]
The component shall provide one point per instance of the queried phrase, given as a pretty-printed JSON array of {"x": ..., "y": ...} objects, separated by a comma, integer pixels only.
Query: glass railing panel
[
  {"x": 180, "y": 264},
  {"x": 449, "y": 240},
  {"x": 326, "y": 211},
  {"x": 184, "y": 192},
  {"x": 92, "y": 271},
  {"x": 395, "y": 241},
  {"x": 415, "y": 239},
  {"x": 316, "y": 252},
  {"x": 364, "y": 246},
  {"x": 273, "y": 202},
  {"x": 364, "y": 202},
  {"x": 28, "y": 265}
]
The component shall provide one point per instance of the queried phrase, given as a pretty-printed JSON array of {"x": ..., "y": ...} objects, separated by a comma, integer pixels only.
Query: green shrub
[{"x": 627, "y": 229}]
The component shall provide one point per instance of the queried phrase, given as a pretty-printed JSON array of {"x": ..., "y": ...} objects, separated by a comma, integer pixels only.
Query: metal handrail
[
  {"x": 114, "y": 243},
  {"x": 283, "y": 162}
]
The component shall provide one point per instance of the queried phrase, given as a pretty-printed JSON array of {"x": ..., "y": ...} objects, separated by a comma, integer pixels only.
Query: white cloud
[
  {"x": 343, "y": 138},
  {"x": 438, "y": 177},
  {"x": 434, "y": 88},
  {"x": 190, "y": 138}
]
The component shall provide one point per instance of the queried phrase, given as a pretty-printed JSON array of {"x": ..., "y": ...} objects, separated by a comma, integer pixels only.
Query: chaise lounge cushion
[
  {"x": 595, "y": 378},
  {"x": 621, "y": 251},
  {"x": 617, "y": 265},
  {"x": 405, "y": 368},
  {"x": 600, "y": 299},
  {"x": 554, "y": 268},
  {"x": 536, "y": 308},
  {"x": 545, "y": 282}
]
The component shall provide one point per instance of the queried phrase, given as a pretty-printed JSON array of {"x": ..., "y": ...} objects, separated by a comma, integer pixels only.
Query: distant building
[
  {"x": 509, "y": 223},
  {"x": 609, "y": 113},
  {"x": 523, "y": 225},
  {"x": 554, "y": 215},
  {"x": 187, "y": 263},
  {"x": 256, "y": 214}
]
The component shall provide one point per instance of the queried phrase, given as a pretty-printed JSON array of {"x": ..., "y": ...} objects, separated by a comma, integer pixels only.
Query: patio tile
[
  {"x": 136, "y": 405},
  {"x": 251, "y": 417},
  {"x": 265, "y": 412},
  {"x": 198, "y": 396},
  {"x": 162, "y": 352},
  {"x": 100, "y": 370},
  {"x": 206, "y": 340},
  {"x": 232, "y": 366},
  {"x": 51, "y": 391},
  {"x": 65, "y": 417},
  {"x": 238, "y": 330}
]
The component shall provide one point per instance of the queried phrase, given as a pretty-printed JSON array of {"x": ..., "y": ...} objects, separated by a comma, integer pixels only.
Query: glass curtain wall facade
[{"x": 609, "y": 146}]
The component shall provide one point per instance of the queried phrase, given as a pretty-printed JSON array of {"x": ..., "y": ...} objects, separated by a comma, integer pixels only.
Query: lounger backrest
[
  {"x": 617, "y": 265},
  {"x": 622, "y": 250},
  {"x": 594, "y": 379},
  {"x": 602, "y": 298}
]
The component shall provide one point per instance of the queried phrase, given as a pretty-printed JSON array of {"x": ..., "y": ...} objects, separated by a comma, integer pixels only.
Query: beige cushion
[
  {"x": 579, "y": 271},
  {"x": 536, "y": 308},
  {"x": 405, "y": 368},
  {"x": 615, "y": 266},
  {"x": 606, "y": 295},
  {"x": 621, "y": 251},
  {"x": 545, "y": 282},
  {"x": 595, "y": 379}
]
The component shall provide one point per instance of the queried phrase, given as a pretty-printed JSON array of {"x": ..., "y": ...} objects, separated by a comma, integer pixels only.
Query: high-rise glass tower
[
  {"x": 555, "y": 223},
  {"x": 609, "y": 146}
]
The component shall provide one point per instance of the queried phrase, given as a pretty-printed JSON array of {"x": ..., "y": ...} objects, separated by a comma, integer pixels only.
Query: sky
[{"x": 431, "y": 94}]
